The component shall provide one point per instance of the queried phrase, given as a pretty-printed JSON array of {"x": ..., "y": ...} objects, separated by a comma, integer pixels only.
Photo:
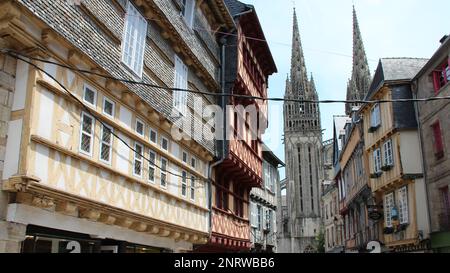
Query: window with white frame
[
  {"x": 187, "y": 11},
  {"x": 134, "y": 40},
  {"x": 184, "y": 157},
  {"x": 106, "y": 144},
  {"x": 140, "y": 127},
  {"x": 151, "y": 166},
  {"x": 137, "y": 163},
  {"x": 90, "y": 95},
  {"x": 389, "y": 204},
  {"x": 388, "y": 153},
  {"x": 403, "y": 205},
  {"x": 181, "y": 79},
  {"x": 268, "y": 219},
  {"x": 164, "y": 143},
  {"x": 259, "y": 217},
  {"x": 163, "y": 170},
  {"x": 253, "y": 212},
  {"x": 377, "y": 160},
  {"x": 193, "y": 162},
  {"x": 108, "y": 107},
  {"x": 375, "y": 116},
  {"x": 193, "y": 178},
  {"x": 153, "y": 136},
  {"x": 184, "y": 183},
  {"x": 86, "y": 134}
]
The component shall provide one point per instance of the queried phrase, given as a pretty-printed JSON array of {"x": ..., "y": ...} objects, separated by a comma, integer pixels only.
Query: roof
[
  {"x": 445, "y": 45},
  {"x": 270, "y": 155},
  {"x": 235, "y": 7},
  {"x": 238, "y": 9},
  {"x": 395, "y": 70},
  {"x": 339, "y": 125}
]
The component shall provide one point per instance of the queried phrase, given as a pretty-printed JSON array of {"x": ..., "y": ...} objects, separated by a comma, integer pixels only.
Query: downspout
[
  {"x": 224, "y": 119},
  {"x": 224, "y": 133},
  {"x": 415, "y": 90}
]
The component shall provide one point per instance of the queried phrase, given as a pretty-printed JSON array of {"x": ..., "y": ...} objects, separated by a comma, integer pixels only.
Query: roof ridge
[{"x": 404, "y": 58}]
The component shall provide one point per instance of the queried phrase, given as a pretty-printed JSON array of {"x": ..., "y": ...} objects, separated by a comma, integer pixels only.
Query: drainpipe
[
  {"x": 224, "y": 132},
  {"x": 415, "y": 87}
]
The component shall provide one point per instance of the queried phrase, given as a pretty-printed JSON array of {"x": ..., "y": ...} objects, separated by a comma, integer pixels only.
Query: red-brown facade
[{"x": 248, "y": 66}]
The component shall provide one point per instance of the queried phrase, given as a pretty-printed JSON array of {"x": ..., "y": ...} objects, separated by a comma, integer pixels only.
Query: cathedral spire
[
  {"x": 359, "y": 83},
  {"x": 299, "y": 75}
]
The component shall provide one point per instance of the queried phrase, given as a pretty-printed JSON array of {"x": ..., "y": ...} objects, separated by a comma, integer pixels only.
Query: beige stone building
[{"x": 101, "y": 171}]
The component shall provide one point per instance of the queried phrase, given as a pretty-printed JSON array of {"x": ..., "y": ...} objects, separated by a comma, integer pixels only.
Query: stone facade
[
  {"x": 303, "y": 150},
  {"x": 437, "y": 165}
]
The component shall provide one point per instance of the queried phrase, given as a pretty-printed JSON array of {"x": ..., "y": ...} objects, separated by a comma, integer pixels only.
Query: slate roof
[
  {"x": 236, "y": 7},
  {"x": 395, "y": 69}
]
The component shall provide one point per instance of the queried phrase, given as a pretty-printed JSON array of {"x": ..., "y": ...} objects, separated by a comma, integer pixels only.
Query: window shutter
[{"x": 403, "y": 205}]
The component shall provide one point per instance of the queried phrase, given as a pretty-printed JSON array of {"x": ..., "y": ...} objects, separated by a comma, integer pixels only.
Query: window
[
  {"x": 151, "y": 167},
  {"x": 193, "y": 187},
  {"x": 187, "y": 11},
  {"x": 403, "y": 205},
  {"x": 375, "y": 116},
  {"x": 164, "y": 164},
  {"x": 106, "y": 144},
  {"x": 153, "y": 136},
  {"x": 180, "y": 97},
  {"x": 388, "y": 153},
  {"x": 259, "y": 219},
  {"x": 193, "y": 162},
  {"x": 184, "y": 183},
  {"x": 86, "y": 134},
  {"x": 184, "y": 157},
  {"x": 137, "y": 166},
  {"x": 438, "y": 141},
  {"x": 90, "y": 95},
  {"x": 441, "y": 76},
  {"x": 445, "y": 201},
  {"x": 253, "y": 215},
  {"x": 377, "y": 161},
  {"x": 140, "y": 127},
  {"x": 268, "y": 220},
  {"x": 134, "y": 35},
  {"x": 108, "y": 107},
  {"x": 388, "y": 206},
  {"x": 164, "y": 143}
]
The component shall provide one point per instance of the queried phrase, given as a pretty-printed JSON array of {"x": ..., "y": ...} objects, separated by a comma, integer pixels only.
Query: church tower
[
  {"x": 359, "y": 84},
  {"x": 303, "y": 150}
]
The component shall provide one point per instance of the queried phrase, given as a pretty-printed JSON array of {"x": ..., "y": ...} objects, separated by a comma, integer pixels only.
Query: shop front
[{"x": 45, "y": 240}]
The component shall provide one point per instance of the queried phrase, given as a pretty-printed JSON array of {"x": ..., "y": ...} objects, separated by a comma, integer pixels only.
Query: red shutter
[
  {"x": 439, "y": 147},
  {"x": 436, "y": 82}
]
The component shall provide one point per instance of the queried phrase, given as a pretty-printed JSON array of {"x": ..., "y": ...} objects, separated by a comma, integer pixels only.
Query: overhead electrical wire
[
  {"x": 16, "y": 54},
  {"x": 94, "y": 115}
]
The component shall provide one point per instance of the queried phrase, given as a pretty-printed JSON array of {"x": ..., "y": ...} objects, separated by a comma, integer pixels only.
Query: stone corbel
[
  {"x": 139, "y": 227},
  {"x": 107, "y": 219},
  {"x": 164, "y": 232},
  {"x": 153, "y": 230},
  {"x": 43, "y": 202},
  {"x": 90, "y": 214},
  {"x": 127, "y": 96},
  {"x": 9, "y": 13},
  {"x": 141, "y": 106},
  {"x": 66, "y": 208},
  {"x": 193, "y": 238},
  {"x": 18, "y": 183},
  {"x": 165, "y": 124},
  {"x": 124, "y": 222}
]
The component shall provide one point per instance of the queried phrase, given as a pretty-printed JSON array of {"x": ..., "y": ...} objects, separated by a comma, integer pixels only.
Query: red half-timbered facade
[{"x": 248, "y": 63}]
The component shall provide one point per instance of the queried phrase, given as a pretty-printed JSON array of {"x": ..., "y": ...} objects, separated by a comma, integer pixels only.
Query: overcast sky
[{"x": 390, "y": 28}]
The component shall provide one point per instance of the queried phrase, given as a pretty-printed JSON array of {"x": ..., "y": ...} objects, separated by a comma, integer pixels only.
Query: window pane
[
  {"x": 89, "y": 95},
  {"x": 86, "y": 143}
]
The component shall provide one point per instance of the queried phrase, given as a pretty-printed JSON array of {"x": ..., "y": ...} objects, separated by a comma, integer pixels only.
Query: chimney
[{"x": 443, "y": 39}]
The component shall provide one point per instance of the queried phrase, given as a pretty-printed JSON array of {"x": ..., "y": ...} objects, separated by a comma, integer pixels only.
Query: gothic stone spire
[
  {"x": 299, "y": 75},
  {"x": 359, "y": 83}
]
